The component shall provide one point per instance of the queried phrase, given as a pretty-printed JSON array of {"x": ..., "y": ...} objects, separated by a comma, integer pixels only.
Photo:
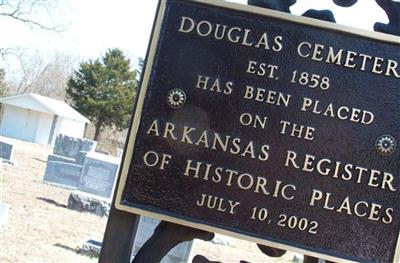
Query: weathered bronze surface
[{"x": 181, "y": 57}]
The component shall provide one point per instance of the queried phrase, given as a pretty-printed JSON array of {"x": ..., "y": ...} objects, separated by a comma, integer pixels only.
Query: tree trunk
[{"x": 97, "y": 132}]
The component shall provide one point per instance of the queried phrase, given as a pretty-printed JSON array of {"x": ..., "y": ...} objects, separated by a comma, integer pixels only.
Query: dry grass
[{"x": 41, "y": 229}]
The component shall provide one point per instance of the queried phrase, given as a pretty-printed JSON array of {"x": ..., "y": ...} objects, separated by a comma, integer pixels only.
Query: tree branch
[
  {"x": 31, "y": 22},
  {"x": 21, "y": 10}
]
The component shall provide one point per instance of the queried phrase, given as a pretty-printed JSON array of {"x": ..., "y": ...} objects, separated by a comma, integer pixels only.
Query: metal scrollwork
[
  {"x": 391, "y": 7},
  {"x": 345, "y": 3},
  {"x": 392, "y": 10},
  {"x": 277, "y": 5},
  {"x": 325, "y": 15}
]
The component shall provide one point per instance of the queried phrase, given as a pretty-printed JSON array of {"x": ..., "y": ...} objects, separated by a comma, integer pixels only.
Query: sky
[{"x": 93, "y": 26}]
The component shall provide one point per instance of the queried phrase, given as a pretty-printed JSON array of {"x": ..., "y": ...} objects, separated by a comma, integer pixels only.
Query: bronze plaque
[{"x": 270, "y": 127}]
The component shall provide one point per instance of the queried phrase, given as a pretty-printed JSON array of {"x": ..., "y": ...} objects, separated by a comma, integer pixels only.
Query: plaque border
[{"x": 130, "y": 142}]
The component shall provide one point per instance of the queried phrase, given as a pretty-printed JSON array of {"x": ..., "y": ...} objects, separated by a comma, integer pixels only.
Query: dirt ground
[{"x": 42, "y": 229}]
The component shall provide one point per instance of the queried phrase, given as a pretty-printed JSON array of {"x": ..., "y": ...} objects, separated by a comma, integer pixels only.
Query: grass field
[{"x": 42, "y": 229}]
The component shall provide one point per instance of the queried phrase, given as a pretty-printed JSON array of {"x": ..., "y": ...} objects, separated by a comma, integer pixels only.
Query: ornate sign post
[{"x": 269, "y": 127}]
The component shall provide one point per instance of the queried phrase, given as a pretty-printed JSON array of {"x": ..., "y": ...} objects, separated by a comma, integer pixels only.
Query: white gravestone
[
  {"x": 99, "y": 174},
  {"x": 4, "y": 208}
]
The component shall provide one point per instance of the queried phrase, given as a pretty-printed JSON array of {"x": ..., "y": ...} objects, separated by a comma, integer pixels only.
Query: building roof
[{"x": 40, "y": 103}]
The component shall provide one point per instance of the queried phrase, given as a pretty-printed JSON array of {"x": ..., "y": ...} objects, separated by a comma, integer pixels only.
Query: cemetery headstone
[
  {"x": 119, "y": 152},
  {"x": 179, "y": 254},
  {"x": 6, "y": 152},
  {"x": 71, "y": 147},
  {"x": 103, "y": 152},
  {"x": 221, "y": 240},
  {"x": 59, "y": 158},
  {"x": 274, "y": 128},
  {"x": 85, "y": 202},
  {"x": 4, "y": 212},
  {"x": 64, "y": 166},
  {"x": 63, "y": 174},
  {"x": 80, "y": 157},
  {"x": 91, "y": 248},
  {"x": 99, "y": 174},
  {"x": 297, "y": 259}
]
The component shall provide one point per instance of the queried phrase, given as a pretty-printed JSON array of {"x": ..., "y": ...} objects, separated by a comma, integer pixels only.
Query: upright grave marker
[
  {"x": 4, "y": 214},
  {"x": 72, "y": 147},
  {"x": 6, "y": 152},
  {"x": 98, "y": 174},
  {"x": 62, "y": 173},
  {"x": 274, "y": 128}
]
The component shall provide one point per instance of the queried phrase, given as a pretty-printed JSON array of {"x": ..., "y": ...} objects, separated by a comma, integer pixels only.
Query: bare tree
[
  {"x": 32, "y": 13},
  {"x": 45, "y": 76},
  {"x": 26, "y": 11},
  {"x": 3, "y": 84}
]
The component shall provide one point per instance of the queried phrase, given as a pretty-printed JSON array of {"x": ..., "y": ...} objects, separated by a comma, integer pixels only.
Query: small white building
[{"x": 39, "y": 119}]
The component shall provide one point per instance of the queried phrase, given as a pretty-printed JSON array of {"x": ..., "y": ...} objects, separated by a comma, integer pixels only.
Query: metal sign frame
[{"x": 143, "y": 90}]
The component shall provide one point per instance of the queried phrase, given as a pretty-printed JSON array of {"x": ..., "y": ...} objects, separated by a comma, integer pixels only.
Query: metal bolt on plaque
[
  {"x": 385, "y": 145},
  {"x": 176, "y": 98}
]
